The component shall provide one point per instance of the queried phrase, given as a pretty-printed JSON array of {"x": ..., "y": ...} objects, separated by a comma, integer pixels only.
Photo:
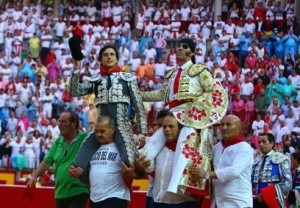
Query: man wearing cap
[
  {"x": 271, "y": 174},
  {"x": 197, "y": 101}
]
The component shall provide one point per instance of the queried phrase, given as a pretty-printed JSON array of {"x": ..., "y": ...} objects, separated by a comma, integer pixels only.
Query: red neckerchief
[
  {"x": 171, "y": 145},
  {"x": 104, "y": 71},
  {"x": 233, "y": 141}
]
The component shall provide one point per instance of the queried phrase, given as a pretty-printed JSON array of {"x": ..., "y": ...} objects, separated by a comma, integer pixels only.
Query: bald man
[{"x": 233, "y": 160}]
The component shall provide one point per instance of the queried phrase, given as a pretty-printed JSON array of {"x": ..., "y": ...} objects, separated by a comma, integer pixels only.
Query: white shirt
[
  {"x": 163, "y": 173},
  {"x": 280, "y": 131},
  {"x": 247, "y": 88},
  {"x": 106, "y": 164},
  {"x": 54, "y": 131},
  {"x": 233, "y": 167},
  {"x": 60, "y": 28},
  {"x": 257, "y": 127}
]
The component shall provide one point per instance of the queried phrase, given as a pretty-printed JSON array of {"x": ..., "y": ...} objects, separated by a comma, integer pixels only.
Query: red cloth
[
  {"x": 28, "y": 194},
  {"x": 104, "y": 71},
  {"x": 269, "y": 196},
  {"x": 233, "y": 141},
  {"x": 171, "y": 145},
  {"x": 176, "y": 81},
  {"x": 176, "y": 103}
]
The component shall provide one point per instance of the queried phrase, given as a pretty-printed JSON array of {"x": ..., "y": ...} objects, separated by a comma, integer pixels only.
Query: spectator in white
[
  {"x": 117, "y": 11},
  {"x": 127, "y": 14},
  {"x": 134, "y": 62},
  {"x": 29, "y": 152},
  {"x": 294, "y": 77},
  {"x": 194, "y": 27},
  {"x": 5, "y": 71},
  {"x": 158, "y": 27},
  {"x": 149, "y": 10},
  {"x": 232, "y": 160},
  {"x": 185, "y": 12},
  {"x": 206, "y": 26},
  {"x": 167, "y": 29},
  {"x": 62, "y": 58},
  {"x": 74, "y": 17},
  {"x": 297, "y": 128},
  {"x": 149, "y": 52},
  {"x": 47, "y": 100},
  {"x": 106, "y": 14},
  {"x": 234, "y": 11},
  {"x": 125, "y": 27},
  {"x": 57, "y": 46},
  {"x": 257, "y": 125},
  {"x": 276, "y": 118},
  {"x": 290, "y": 9},
  {"x": 46, "y": 39},
  {"x": 219, "y": 25},
  {"x": 296, "y": 109},
  {"x": 87, "y": 26},
  {"x": 250, "y": 26},
  {"x": 140, "y": 21},
  {"x": 229, "y": 27},
  {"x": 25, "y": 93},
  {"x": 160, "y": 68},
  {"x": 278, "y": 11},
  {"x": 225, "y": 38},
  {"x": 247, "y": 87},
  {"x": 91, "y": 11},
  {"x": 124, "y": 54},
  {"x": 12, "y": 123},
  {"x": 18, "y": 42},
  {"x": 269, "y": 11},
  {"x": 59, "y": 27},
  {"x": 291, "y": 121},
  {"x": 53, "y": 128},
  {"x": 148, "y": 26},
  {"x": 115, "y": 31},
  {"x": 17, "y": 13},
  {"x": 16, "y": 148},
  {"x": 199, "y": 57},
  {"x": 249, "y": 10},
  {"x": 281, "y": 130},
  {"x": 67, "y": 67},
  {"x": 37, "y": 143},
  {"x": 201, "y": 43}
]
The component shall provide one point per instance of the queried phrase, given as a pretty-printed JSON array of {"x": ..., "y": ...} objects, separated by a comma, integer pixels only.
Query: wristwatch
[{"x": 207, "y": 176}]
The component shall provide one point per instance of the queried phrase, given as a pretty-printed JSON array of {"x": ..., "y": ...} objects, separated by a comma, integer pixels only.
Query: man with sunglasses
[{"x": 197, "y": 101}]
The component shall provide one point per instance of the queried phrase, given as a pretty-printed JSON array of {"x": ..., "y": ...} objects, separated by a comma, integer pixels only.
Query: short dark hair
[
  {"x": 161, "y": 114},
  {"x": 111, "y": 122},
  {"x": 172, "y": 115},
  {"x": 296, "y": 156},
  {"x": 73, "y": 118},
  {"x": 270, "y": 137},
  {"x": 106, "y": 47}
]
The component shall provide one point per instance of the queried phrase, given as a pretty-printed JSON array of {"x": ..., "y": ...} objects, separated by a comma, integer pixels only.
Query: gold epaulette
[
  {"x": 196, "y": 69},
  {"x": 169, "y": 74}
]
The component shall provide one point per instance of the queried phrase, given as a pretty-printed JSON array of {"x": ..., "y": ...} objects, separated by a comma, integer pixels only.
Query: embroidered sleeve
[
  {"x": 77, "y": 88},
  {"x": 286, "y": 176},
  {"x": 137, "y": 102},
  {"x": 155, "y": 96},
  {"x": 208, "y": 108}
]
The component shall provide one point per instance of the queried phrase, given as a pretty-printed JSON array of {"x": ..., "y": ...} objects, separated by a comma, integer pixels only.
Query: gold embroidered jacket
[{"x": 205, "y": 97}]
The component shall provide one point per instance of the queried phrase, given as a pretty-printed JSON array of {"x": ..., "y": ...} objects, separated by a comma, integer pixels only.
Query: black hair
[
  {"x": 270, "y": 137},
  {"x": 73, "y": 118},
  {"x": 162, "y": 114},
  {"x": 106, "y": 47},
  {"x": 296, "y": 156}
]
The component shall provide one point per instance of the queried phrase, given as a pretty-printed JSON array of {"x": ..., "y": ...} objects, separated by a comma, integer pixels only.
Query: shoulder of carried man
[{"x": 196, "y": 69}]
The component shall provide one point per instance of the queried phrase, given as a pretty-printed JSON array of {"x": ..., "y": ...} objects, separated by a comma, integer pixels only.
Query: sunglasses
[{"x": 183, "y": 45}]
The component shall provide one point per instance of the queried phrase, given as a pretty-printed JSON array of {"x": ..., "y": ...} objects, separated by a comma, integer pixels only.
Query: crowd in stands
[{"x": 252, "y": 48}]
